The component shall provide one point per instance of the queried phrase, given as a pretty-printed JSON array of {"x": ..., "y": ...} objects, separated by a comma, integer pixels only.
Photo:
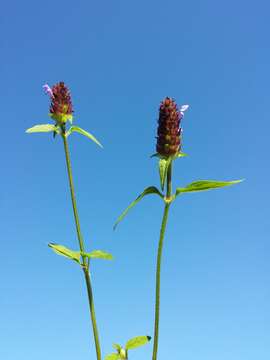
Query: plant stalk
[
  {"x": 159, "y": 258},
  {"x": 82, "y": 248}
]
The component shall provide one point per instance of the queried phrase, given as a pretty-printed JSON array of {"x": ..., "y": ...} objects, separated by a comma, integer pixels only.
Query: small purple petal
[{"x": 48, "y": 90}]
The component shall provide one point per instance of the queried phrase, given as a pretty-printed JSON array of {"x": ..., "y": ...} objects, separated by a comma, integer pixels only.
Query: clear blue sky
[{"x": 120, "y": 58}]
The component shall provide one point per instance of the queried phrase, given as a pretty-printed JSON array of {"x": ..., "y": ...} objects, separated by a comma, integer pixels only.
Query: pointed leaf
[
  {"x": 203, "y": 185},
  {"x": 64, "y": 251},
  {"x": 112, "y": 357},
  {"x": 163, "y": 169},
  {"x": 83, "y": 132},
  {"x": 42, "y": 128},
  {"x": 117, "y": 347},
  {"x": 147, "y": 191},
  {"x": 137, "y": 341},
  {"x": 98, "y": 254}
]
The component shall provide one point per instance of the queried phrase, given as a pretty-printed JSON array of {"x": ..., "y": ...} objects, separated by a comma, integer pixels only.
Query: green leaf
[
  {"x": 83, "y": 132},
  {"x": 137, "y": 341},
  {"x": 64, "y": 251},
  {"x": 147, "y": 191},
  {"x": 117, "y": 347},
  {"x": 163, "y": 169},
  {"x": 42, "y": 128},
  {"x": 203, "y": 185},
  {"x": 112, "y": 357},
  {"x": 98, "y": 254}
]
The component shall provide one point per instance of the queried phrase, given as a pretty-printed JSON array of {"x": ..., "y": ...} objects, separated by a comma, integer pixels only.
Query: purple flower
[{"x": 48, "y": 90}]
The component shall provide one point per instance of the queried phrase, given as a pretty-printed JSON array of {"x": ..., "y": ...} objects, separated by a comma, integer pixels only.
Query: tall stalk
[
  {"x": 159, "y": 258},
  {"x": 168, "y": 149},
  {"x": 85, "y": 266}
]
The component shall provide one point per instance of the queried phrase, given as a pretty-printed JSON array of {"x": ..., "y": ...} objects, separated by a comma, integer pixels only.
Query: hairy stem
[
  {"x": 81, "y": 243},
  {"x": 159, "y": 257}
]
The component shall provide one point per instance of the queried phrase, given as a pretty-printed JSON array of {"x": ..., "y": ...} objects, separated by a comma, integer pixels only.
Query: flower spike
[
  {"x": 61, "y": 108},
  {"x": 169, "y": 131}
]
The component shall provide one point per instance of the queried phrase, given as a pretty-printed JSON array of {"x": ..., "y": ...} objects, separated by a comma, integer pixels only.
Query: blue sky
[{"x": 120, "y": 59}]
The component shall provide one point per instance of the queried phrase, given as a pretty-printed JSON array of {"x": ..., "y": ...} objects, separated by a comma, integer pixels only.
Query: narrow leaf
[
  {"x": 83, "y": 132},
  {"x": 147, "y": 191},
  {"x": 64, "y": 251},
  {"x": 137, "y": 341},
  {"x": 203, "y": 185},
  {"x": 117, "y": 347},
  {"x": 112, "y": 357},
  {"x": 98, "y": 254},
  {"x": 42, "y": 128},
  {"x": 163, "y": 169}
]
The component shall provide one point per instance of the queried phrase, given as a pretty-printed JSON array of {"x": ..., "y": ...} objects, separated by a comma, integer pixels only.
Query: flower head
[
  {"x": 61, "y": 106},
  {"x": 169, "y": 131}
]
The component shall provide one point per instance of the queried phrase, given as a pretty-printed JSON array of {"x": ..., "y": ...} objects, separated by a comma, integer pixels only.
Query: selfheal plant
[
  {"x": 61, "y": 111},
  {"x": 168, "y": 147}
]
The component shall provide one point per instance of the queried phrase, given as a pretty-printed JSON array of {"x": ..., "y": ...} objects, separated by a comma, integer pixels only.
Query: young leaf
[
  {"x": 83, "y": 132},
  {"x": 42, "y": 128},
  {"x": 112, "y": 357},
  {"x": 137, "y": 341},
  {"x": 147, "y": 191},
  {"x": 117, "y": 347},
  {"x": 203, "y": 185},
  {"x": 98, "y": 254},
  {"x": 64, "y": 251},
  {"x": 163, "y": 169}
]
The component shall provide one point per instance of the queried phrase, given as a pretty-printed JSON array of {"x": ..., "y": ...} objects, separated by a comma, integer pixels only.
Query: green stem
[
  {"x": 159, "y": 257},
  {"x": 81, "y": 243}
]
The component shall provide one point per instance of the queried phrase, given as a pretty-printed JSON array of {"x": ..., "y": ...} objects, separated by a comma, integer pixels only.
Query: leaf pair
[
  {"x": 122, "y": 352},
  {"x": 76, "y": 255},
  {"x": 55, "y": 128},
  {"x": 196, "y": 186}
]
